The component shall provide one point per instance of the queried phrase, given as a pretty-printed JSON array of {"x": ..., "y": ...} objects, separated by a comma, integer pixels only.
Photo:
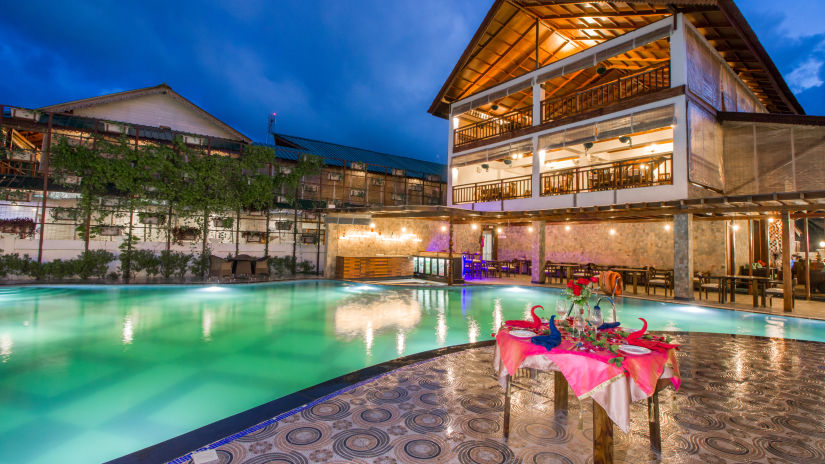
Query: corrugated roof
[{"x": 341, "y": 155}]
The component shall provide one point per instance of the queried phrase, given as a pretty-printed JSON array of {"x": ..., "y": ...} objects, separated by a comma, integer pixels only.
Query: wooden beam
[
  {"x": 806, "y": 241},
  {"x": 787, "y": 276}
]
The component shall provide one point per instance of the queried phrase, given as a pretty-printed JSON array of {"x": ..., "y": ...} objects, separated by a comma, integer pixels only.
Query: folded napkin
[
  {"x": 635, "y": 338},
  {"x": 609, "y": 325},
  {"x": 549, "y": 341}
]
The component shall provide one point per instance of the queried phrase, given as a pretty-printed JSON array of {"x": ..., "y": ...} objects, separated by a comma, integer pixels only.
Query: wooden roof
[
  {"x": 132, "y": 94},
  {"x": 504, "y": 46}
]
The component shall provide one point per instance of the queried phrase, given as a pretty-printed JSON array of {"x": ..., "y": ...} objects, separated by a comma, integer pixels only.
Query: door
[{"x": 487, "y": 251}]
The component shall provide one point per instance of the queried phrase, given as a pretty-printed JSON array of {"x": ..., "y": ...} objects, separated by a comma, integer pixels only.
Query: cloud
[
  {"x": 801, "y": 20},
  {"x": 806, "y": 76}
]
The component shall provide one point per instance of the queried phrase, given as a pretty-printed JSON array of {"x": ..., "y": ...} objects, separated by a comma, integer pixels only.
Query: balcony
[
  {"x": 554, "y": 109},
  {"x": 497, "y": 190},
  {"x": 632, "y": 173},
  {"x": 621, "y": 89},
  {"x": 494, "y": 127}
]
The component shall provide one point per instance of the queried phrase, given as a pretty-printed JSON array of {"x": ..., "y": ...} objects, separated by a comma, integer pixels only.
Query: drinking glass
[
  {"x": 596, "y": 318},
  {"x": 561, "y": 308}
]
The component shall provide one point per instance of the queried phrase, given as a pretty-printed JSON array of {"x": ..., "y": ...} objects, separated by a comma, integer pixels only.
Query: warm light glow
[
  {"x": 821, "y": 244},
  {"x": 530, "y": 229},
  {"x": 443, "y": 228},
  {"x": 372, "y": 225},
  {"x": 542, "y": 155},
  {"x": 667, "y": 226},
  {"x": 455, "y": 123},
  {"x": 612, "y": 231},
  {"x": 498, "y": 230},
  {"x": 566, "y": 227},
  {"x": 474, "y": 226},
  {"x": 736, "y": 227},
  {"x": 770, "y": 219},
  {"x": 375, "y": 235},
  {"x": 455, "y": 174},
  {"x": 403, "y": 229},
  {"x": 660, "y": 148}
]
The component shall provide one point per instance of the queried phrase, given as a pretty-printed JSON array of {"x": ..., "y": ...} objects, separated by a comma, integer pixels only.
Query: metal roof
[{"x": 342, "y": 155}]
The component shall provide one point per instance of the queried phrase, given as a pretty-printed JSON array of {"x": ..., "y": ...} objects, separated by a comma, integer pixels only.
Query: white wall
[{"x": 157, "y": 110}]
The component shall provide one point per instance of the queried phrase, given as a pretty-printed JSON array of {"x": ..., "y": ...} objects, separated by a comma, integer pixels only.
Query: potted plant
[
  {"x": 22, "y": 226},
  {"x": 182, "y": 233}
]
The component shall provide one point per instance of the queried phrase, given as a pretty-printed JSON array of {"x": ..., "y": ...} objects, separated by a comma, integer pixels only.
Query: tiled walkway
[{"x": 743, "y": 399}]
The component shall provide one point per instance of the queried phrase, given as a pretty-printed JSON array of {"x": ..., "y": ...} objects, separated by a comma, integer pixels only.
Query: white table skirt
[{"x": 615, "y": 396}]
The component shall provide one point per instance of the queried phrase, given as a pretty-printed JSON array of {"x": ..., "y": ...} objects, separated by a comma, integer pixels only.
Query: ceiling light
[
  {"x": 736, "y": 227},
  {"x": 474, "y": 226},
  {"x": 566, "y": 227},
  {"x": 498, "y": 230},
  {"x": 667, "y": 226},
  {"x": 612, "y": 231},
  {"x": 403, "y": 229},
  {"x": 372, "y": 225},
  {"x": 530, "y": 229},
  {"x": 821, "y": 244},
  {"x": 770, "y": 219}
]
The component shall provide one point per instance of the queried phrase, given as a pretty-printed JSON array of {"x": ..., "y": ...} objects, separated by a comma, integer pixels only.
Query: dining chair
[
  {"x": 706, "y": 285},
  {"x": 777, "y": 290},
  {"x": 662, "y": 279}
]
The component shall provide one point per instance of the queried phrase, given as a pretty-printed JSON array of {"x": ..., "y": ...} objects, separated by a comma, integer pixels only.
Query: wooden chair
[
  {"x": 662, "y": 279},
  {"x": 706, "y": 285},
  {"x": 219, "y": 267},
  {"x": 777, "y": 290}
]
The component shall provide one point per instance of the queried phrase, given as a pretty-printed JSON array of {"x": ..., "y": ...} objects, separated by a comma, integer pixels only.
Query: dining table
[
  {"x": 592, "y": 370},
  {"x": 634, "y": 273},
  {"x": 569, "y": 269},
  {"x": 757, "y": 285}
]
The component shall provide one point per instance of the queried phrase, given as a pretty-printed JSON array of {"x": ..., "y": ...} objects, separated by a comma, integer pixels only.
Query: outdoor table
[
  {"x": 590, "y": 375},
  {"x": 634, "y": 273},
  {"x": 568, "y": 269},
  {"x": 757, "y": 286}
]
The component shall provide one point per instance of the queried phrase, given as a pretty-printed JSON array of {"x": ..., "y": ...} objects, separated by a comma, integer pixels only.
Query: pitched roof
[
  {"x": 289, "y": 147},
  {"x": 504, "y": 46},
  {"x": 131, "y": 94}
]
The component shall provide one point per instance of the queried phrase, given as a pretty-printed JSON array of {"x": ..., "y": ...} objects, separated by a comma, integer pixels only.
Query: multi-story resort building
[
  {"x": 609, "y": 112},
  {"x": 158, "y": 115}
]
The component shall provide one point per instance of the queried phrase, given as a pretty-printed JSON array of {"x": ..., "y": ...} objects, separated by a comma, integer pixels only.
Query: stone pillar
[
  {"x": 683, "y": 256},
  {"x": 537, "y": 255}
]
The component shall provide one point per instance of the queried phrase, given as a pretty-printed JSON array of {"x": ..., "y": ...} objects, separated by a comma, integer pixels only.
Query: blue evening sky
[{"x": 360, "y": 73}]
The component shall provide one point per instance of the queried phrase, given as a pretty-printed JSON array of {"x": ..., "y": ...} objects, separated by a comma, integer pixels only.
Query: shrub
[
  {"x": 173, "y": 263},
  {"x": 94, "y": 263},
  {"x": 145, "y": 260},
  {"x": 200, "y": 264},
  {"x": 306, "y": 267}
]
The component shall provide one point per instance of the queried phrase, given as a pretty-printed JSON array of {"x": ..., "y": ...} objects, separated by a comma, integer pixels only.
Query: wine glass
[
  {"x": 596, "y": 318},
  {"x": 561, "y": 308}
]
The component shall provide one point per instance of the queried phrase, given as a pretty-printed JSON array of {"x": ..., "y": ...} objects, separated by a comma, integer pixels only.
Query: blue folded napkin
[
  {"x": 609, "y": 325},
  {"x": 548, "y": 341}
]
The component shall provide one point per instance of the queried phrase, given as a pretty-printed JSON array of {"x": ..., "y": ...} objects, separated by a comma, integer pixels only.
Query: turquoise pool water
[{"x": 90, "y": 373}]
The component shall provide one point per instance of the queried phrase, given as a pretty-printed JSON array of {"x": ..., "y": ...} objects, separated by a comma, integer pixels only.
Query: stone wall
[
  {"x": 633, "y": 244},
  {"x": 433, "y": 238}
]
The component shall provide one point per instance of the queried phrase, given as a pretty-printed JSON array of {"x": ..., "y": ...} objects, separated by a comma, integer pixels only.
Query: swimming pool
[{"x": 90, "y": 373}]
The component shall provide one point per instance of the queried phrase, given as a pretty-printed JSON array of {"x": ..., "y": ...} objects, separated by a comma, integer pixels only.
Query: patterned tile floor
[{"x": 743, "y": 399}]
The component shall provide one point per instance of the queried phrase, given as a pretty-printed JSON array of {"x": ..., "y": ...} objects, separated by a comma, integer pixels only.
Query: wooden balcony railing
[
  {"x": 496, "y": 190},
  {"x": 508, "y": 122},
  {"x": 615, "y": 91},
  {"x": 18, "y": 162},
  {"x": 639, "y": 172}
]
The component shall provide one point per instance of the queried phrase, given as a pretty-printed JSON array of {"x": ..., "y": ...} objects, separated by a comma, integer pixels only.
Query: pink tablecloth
[{"x": 589, "y": 374}]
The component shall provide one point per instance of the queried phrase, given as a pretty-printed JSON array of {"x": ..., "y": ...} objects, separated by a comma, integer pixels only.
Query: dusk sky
[{"x": 360, "y": 73}]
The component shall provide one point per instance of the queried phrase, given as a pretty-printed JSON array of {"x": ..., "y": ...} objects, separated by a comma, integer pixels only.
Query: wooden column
[
  {"x": 44, "y": 166},
  {"x": 602, "y": 436},
  {"x": 450, "y": 271},
  {"x": 806, "y": 243},
  {"x": 787, "y": 277},
  {"x": 560, "y": 393}
]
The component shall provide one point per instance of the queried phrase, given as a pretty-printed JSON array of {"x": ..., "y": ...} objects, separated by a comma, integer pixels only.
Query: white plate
[
  {"x": 522, "y": 333},
  {"x": 633, "y": 349}
]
